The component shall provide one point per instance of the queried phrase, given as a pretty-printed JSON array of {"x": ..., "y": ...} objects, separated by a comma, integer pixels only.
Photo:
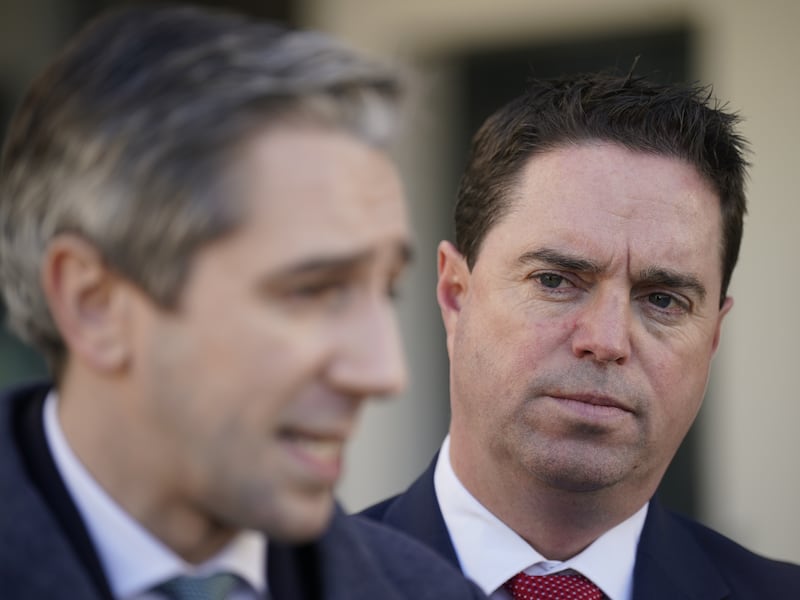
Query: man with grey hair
[{"x": 201, "y": 231}]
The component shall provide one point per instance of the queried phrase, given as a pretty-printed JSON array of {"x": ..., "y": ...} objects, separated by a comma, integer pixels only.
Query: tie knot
[
  {"x": 573, "y": 586},
  {"x": 212, "y": 587}
]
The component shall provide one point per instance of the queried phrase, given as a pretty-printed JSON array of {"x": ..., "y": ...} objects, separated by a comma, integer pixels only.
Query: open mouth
[
  {"x": 322, "y": 447},
  {"x": 319, "y": 454}
]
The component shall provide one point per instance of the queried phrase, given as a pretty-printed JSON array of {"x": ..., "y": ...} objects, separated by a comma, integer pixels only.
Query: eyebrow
[
  {"x": 561, "y": 260},
  {"x": 668, "y": 278},
  {"x": 343, "y": 262},
  {"x": 651, "y": 276}
]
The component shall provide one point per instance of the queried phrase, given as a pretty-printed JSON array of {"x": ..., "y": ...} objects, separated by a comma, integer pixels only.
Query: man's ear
[
  {"x": 87, "y": 302},
  {"x": 727, "y": 305},
  {"x": 451, "y": 287}
]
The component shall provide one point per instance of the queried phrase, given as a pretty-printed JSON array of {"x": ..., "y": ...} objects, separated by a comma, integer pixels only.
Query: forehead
[
  {"x": 611, "y": 203},
  {"x": 308, "y": 190}
]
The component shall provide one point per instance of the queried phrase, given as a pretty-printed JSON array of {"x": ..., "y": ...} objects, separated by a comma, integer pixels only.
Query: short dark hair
[
  {"x": 676, "y": 120},
  {"x": 128, "y": 137}
]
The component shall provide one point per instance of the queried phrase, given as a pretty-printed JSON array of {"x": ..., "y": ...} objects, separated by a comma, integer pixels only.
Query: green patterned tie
[{"x": 213, "y": 587}]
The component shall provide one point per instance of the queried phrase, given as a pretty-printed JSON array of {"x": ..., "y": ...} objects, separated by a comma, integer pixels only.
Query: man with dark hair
[
  {"x": 597, "y": 226},
  {"x": 200, "y": 230}
]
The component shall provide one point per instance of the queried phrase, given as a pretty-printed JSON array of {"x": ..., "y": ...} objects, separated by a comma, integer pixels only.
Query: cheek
[
  {"x": 494, "y": 365},
  {"x": 536, "y": 345},
  {"x": 263, "y": 348},
  {"x": 679, "y": 384},
  {"x": 240, "y": 386}
]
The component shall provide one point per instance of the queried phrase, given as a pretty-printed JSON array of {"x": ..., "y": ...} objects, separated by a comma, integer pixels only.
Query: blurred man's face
[
  {"x": 580, "y": 342},
  {"x": 253, "y": 386}
]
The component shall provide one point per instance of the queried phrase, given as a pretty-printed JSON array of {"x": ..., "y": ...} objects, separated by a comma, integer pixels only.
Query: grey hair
[{"x": 127, "y": 138}]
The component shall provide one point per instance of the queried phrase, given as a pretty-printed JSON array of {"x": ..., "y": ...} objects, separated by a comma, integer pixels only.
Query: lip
[
  {"x": 592, "y": 406},
  {"x": 318, "y": 454}
]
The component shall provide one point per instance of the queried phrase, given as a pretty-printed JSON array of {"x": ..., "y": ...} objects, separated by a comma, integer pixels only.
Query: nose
[
  {"x": 602, "y": 330},
  {"x": 370, "y": 361}
]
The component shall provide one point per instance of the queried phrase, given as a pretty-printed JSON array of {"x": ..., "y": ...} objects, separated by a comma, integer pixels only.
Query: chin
[{"x": 303, "y": 520}]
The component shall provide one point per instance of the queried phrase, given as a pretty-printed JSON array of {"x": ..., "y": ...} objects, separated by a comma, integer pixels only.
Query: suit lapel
[
  {"x": 341, "y": 565},
  {"x": 294, "y": 572},
  {"x": 670, "y": 565}
]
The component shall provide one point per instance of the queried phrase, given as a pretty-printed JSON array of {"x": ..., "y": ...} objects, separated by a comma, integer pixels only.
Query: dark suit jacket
[
  {"x": 46, "y": 552},
  {"x": 677, "y": 559}
]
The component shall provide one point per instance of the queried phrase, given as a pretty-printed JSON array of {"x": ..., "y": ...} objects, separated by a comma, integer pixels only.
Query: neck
[
  {"x": 115, "y": 444},
  {"x": 558, "y": 523}
]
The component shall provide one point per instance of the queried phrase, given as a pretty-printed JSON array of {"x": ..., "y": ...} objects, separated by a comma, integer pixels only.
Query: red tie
[{"x": 552, "y": 587}]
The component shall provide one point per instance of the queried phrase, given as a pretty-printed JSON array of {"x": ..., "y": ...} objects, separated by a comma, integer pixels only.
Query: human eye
[
  {"x": 317, "y": 289},
  {"x": 665, "y": 304},
  {"x": 554, "y": 285},
  {"x": 393, "y": 290},
  {"x": 663, "y": 301},
  {"x": 331, "y": 294},
  {"x": 550, "y": 280},
  {"x": 393, "y": 284}
]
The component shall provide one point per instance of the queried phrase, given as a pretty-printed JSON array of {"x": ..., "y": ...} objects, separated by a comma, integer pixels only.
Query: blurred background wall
[{"x": 738, "y": 470}]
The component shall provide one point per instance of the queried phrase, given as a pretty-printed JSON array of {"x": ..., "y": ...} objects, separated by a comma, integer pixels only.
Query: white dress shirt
[
  {"x": 490, "y": 553},
  {"x": 133, "y": 559}
]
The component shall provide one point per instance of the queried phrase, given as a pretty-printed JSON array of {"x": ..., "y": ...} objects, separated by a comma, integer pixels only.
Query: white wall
[
  {"x": 752, "y": 54},
  {"x": 750, "y": 51}
]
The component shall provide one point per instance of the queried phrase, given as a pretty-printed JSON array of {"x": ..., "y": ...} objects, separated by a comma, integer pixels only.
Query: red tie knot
[{"x": 572, "y": 586}]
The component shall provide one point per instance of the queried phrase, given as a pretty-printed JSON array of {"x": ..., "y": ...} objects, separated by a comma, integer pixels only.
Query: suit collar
[
  {"x": 670, "y": 565},
  {"x": 39, "y": 520}
]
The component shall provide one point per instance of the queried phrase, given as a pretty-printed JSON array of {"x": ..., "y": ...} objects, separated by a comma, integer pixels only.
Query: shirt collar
[
  {"x": 133, "y": 559},
  {"x": 490, "y": 552}
]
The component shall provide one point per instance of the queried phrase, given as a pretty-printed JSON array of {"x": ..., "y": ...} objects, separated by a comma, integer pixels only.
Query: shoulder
[
  {"x": 417, "y": 513},
  {"x": 744, "y": 569},
  {"x": 13, "y": 403},
  {"x": 13, "y": 399},
  {"x": 31, "y": 535},
  {"x": 14, "y": 421},
  {"x": 377, "y": 512},
  {"x": 703, "y": 554},
  {"x": 416, "y": 507},
  {"x": 392, "y": 564}
]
